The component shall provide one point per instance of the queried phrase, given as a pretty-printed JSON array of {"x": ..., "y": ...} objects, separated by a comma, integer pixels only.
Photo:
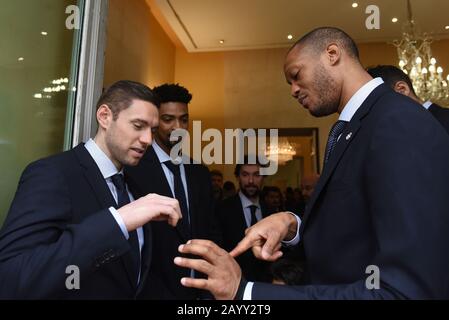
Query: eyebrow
[
  {"x": 174, "y": 116},
  {"x": 140, "y": 121}
]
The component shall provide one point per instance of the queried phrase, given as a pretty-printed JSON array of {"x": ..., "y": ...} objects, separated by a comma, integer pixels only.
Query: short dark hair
[
  {"x": 173, "y": 93},
  {"x": 319, "y": 38},
  {"x": 228, "y": 185},
  {"x": 390, "y": 75},
  {"x": 289, "y": 271},
  {"x": 120, "y": 95},
  {"x": 246, "y": 159},
  {"x": 216, "y": 173}
]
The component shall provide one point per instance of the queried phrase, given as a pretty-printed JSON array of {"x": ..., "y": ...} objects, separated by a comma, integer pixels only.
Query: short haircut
[
  {"x": 120, "y": 95},
  {"x": 390, "y": 75},
  {"x": 228, "y": 185},
  {"x": 238, "y": 167},
  {"x": 173, "y": 93},
  {"x": 289, "y": 271},
  {"x": 318, "y": 39},
  {"x": 216, "y": 173}
]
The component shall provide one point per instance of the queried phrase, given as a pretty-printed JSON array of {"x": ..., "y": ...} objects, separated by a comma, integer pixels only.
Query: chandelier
[
  {"x": 416, "y": 60},
  {"x": 280, "y": 153}
]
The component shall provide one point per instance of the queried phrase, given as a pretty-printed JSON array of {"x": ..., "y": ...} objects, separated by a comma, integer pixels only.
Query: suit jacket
[
  {"x": 232, "y": 225},
  {"x": 441, "y": 114},
  {"x": 382, "y": 200},
  {"x": 148, "y": 177},
  {"x": 58, "y": 218}
]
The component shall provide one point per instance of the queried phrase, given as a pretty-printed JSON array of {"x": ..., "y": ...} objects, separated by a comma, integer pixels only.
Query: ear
[
  {"x": 402, "y": 88},
  {"x": 333, "y": 54},
  {"x": 104, "y": 116}
]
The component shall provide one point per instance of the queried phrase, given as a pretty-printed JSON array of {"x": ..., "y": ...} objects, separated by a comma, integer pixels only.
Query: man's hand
[
  {"x": 223, "y": 272},
  {"x": 152, "y": 207},
  {"x": 265, "y": 236}
]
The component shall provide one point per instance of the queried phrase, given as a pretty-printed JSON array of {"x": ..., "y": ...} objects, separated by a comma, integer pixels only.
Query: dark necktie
[
  {"x": 253, "y": 209},
  {"x": 180, "y": 195},
  {"x": 335, "y": 132},
  {"x": 122, "y": 199}
]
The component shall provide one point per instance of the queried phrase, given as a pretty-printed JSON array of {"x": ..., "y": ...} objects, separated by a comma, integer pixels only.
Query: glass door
[{"x": 39, "y": 60}]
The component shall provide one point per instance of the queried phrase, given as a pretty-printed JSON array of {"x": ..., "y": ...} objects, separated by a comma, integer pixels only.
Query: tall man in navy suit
[
  {"x": 72, "y": 231},
  {"x": 377, "y": 224},
  {"x": 188, "y": 182},
  {"x": 401, "y": 83}
]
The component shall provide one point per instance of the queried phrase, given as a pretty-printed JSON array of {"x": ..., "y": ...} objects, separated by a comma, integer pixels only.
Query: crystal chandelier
[
  {"x": 280, "y": 153},
  {"x": 416, "y": 60}
]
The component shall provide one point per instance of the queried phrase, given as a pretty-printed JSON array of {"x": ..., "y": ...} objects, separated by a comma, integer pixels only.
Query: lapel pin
[{"x": 349, "y": 135}]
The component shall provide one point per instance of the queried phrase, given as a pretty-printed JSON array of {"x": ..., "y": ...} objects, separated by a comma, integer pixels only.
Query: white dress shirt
[
  {"x": 427, "y": 104},
  {"x": 246, "y": 203},
  {"x": 163, "y": 157},
  {"x": 108, "y": 169}
]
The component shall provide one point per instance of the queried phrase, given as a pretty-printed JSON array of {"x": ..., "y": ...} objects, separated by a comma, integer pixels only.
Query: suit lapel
[
  {"x": 161, "y": 186},
  {"x": 345, "y": 140},
  {"x": 93, "y": 175},
  {"x": 146, "y": 256},
  {"x": 192, "y": 193},
  {"x": 103, "y": 194}
]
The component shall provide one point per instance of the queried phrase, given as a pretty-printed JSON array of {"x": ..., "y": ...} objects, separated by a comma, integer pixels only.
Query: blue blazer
[
  {"x": 383, "y": 200},
  {"x": 59, "y": 217}
]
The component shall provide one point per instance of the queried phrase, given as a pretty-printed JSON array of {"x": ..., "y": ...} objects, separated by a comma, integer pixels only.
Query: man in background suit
[
  {"x": 377, "y": 224},
  {"x": 72, "y": 211},
  {"x": 401, "y": 83},
  {"x": 189, "y": 183},
  {"x": 240, "y": 212}
]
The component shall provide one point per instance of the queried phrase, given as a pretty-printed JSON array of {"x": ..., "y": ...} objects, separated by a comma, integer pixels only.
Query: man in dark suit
[
  {"x": 240, "y": 212},
  {"x": 72, "y": 231},
  {"x": 189, "y": 182},
  {"x": 401, "y": 83},
  {"x": 377, "y": 224}
]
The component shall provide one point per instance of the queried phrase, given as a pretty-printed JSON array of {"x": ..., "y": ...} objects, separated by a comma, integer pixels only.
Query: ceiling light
[
  {"x": 44, "y": 33},
  {"x": 289, "y": 37},
  {"x": 446, "y": 27},
  {"x": 21, "y": 59},
  {"x": 355, "y": 5},
  {"x": 394, "y": 20},
  {"x": 221, "y": 41}
]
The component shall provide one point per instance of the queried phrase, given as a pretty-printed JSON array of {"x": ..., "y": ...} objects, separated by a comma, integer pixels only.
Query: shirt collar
[
  {"x": 161, "y": 154},
  {"x": 427, "y": 104},
  {"x": 358, "y": 98},
  {"x": 164, "y": 157},
  {"x": 106, "y": 166},
  {"x": 246, "y": 202}
]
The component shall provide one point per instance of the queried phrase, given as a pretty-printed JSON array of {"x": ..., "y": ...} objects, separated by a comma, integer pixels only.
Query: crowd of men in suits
[{"x": 140, "y": 225}]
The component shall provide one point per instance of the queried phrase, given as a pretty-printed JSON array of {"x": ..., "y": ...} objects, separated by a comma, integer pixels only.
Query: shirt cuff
[
  {"x": 120, "y": 221},
  {"x": 247, "y": 295},
  {"x": 296, "y": 239}
]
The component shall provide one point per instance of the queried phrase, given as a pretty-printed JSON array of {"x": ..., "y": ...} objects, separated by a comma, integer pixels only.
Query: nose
[
  {"x": 147, "y": 137},
  {"x": 294, "y": 90},
  {"x": 177, "y": 124}
]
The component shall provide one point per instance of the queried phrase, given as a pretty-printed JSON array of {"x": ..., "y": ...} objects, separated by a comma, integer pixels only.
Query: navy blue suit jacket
[
  {"x": 441, "y": 114},
  {"x": 59, "y": 217},
  {"x": 382, "y": 200},
  {"x": 148, "y": 177}
]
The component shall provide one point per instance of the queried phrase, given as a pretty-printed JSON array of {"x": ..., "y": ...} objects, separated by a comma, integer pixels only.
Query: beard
[
  {"x": 253, "y": 192},
  {"x": 328, "y": 99}
]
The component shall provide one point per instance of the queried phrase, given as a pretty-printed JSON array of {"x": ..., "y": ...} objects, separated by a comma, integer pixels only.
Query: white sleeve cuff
[
  {"x": 120, "y": 221},
  {"x": 296, "y": 239},
  {"x": 247, "y": 294}
]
